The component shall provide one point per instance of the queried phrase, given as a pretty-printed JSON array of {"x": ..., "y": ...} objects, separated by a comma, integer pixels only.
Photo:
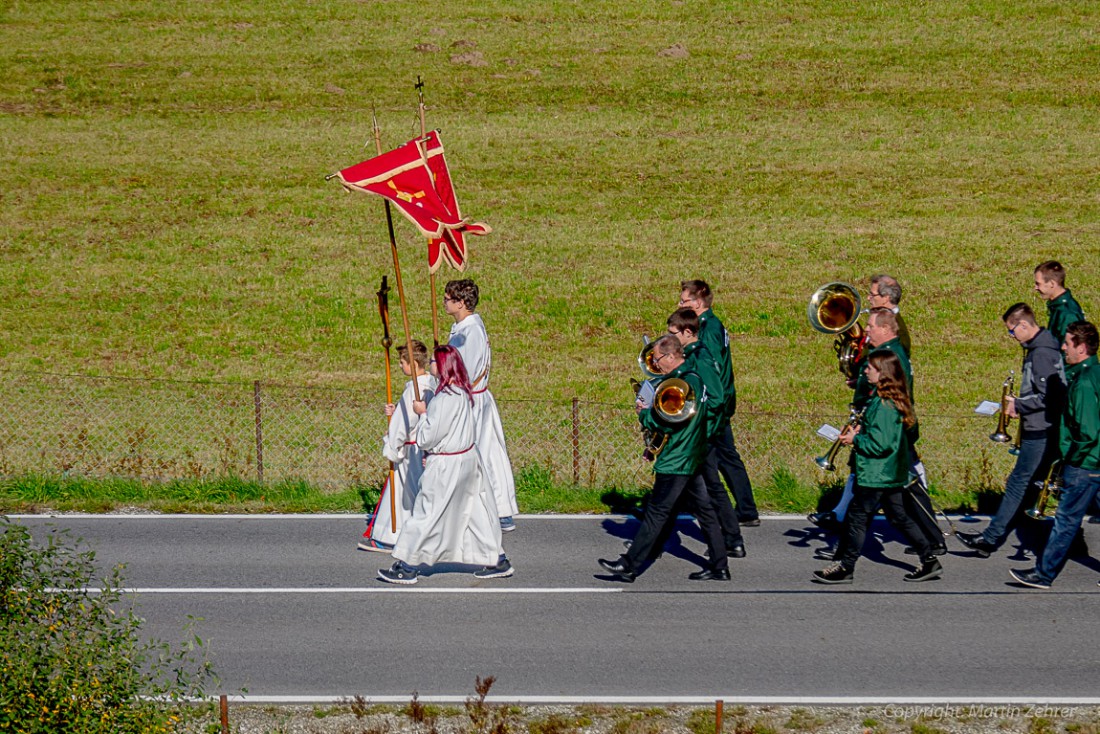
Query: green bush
[{"x": 71, "y": 657}]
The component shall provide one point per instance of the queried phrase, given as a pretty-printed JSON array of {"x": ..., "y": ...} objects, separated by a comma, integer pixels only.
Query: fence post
[
  {"x": 576, "y": 442},
  {"x": 256, "y": 401}
]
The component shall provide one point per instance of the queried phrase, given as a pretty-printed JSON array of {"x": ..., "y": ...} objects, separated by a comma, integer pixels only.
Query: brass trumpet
[
  {"x": 1001, "y": 434},
  {"x": 1050, "y": 491},
  {"x": 826, "y": 461},
  {"x": 835, "y": 309}
]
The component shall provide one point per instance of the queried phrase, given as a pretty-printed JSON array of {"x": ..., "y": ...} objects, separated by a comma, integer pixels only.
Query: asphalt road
[{"x": 290, "y": 608}]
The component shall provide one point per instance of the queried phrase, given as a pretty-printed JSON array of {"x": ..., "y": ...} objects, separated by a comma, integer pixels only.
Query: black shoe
[
  {"x": 825, "y": 554},
  {"x": 976, "y": 542},
  {"x": 1094, "y": 520},
  {"x": 619, "y": 569},
  {"x": 736, "y": 551},
  {"x": 399, "y": 573},
  {"x": 937, "y": 550},
  {"x": 825, "y": 520},
  {"x": 709, "y": 574},
  {"x": 928, "y": 570},
  {"x": 753, "y": 523},
  {"x": 834, "y": 574},
  {"x": 502, "y": 570},
  {"x": 1030, "y": 577}
]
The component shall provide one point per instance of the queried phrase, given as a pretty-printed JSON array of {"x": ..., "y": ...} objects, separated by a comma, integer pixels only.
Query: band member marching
[
  {"x": 455, "y": 515},
  {"x": 882, "y": 333},
  {"x": 1062, "y": 308},
  {"x": 399, "y": 446},
  {"x": 724, "y": 459},
  {"x": 1080, "y": 448},
  {"x": 684, "y": 325},
  {"x": 677, "y": 468},
  {"x": 881, "y": 451},
  {"x": 1038, "y": 407}
]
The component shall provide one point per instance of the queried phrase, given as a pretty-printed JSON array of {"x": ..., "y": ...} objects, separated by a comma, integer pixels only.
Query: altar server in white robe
[
  {"x": 399, "y": 446},
  {"x": 469, "y": 337},
  {"x": 455, "y": 515}
]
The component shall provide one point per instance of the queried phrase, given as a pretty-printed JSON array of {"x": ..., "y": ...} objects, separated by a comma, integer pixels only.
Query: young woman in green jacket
[{"x": 881, "y": 453}]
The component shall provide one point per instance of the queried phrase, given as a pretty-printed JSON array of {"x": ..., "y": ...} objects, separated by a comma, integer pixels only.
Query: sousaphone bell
[{"x": 835, "y": 308}]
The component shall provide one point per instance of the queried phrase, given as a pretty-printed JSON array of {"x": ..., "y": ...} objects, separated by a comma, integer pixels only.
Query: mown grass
[
  {"x": 164, "y": 212},
  {"x": 65, "y": 494}
]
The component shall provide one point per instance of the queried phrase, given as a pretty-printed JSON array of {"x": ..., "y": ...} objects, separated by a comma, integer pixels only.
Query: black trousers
[
  {"x": 865, "y": 502},
  {"x": 918, "y": 506},
  {"x": 660, "y": 515},
  {"x": 720, "y": 498},
  {"x": 723, "y": 459}
]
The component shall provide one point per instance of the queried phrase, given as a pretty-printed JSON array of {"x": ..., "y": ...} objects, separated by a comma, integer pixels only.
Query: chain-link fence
[{"x": 160, "y": 430}]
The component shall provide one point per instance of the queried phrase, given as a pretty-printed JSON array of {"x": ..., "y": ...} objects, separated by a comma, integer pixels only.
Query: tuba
[
  {"x": 1051, "y": 490},
  {"x": 674, "y": 401},
  {"x": 1001, "y": 434},
  {"x": 645, "y": 360},
  {"x": 834, "y": 309}
]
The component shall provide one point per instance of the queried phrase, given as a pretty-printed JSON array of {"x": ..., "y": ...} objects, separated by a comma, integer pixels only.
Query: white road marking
[{"x": 341, "y": 590}]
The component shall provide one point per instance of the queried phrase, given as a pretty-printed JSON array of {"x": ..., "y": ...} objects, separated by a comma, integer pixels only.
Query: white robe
[
  {"x": 472, "y": 342},
  {"x": 399, "y": 446},
  {"x": 455, "y": 517}
]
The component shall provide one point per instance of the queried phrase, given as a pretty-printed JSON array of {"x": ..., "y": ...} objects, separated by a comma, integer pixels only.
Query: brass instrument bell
[
  {"x": 835, "y": 308},
  {"x": 1051, "y": 491},
  {"x": 674, "y": 401},
  {"x": 1001, "y": 434}
]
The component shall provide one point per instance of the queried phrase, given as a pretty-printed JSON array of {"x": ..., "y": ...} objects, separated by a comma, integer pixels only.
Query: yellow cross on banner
[{"x": 405, "y": 196}]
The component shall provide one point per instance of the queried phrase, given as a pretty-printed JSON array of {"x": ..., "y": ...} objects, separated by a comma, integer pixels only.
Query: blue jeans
[
  {"x": 1079, "y": 489},
  {"x": 1032, "y": 464}
]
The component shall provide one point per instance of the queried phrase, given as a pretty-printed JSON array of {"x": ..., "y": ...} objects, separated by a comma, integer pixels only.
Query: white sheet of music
[
  {"x": 828, "y": 432},
  {"x": 987, "y": 407}
]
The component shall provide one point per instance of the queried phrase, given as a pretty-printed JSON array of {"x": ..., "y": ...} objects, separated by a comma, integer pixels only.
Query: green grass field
[{"x": 164, "y": 211}]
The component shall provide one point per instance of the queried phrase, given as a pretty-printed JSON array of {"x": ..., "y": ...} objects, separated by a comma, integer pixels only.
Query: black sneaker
[
  {"x": 976, "y": 542},
  {"x": 503, "y": 569},
  {"x": 399, "y": 573},
  {"x": 1030, "y": 577},
  {"x": 753, "y": 522},
  {"x": 824, "y": 520},
  {"x": 927, "y": 571},
  {"x": 825, "y": 554},
  {"x": 834, "y": 574}
]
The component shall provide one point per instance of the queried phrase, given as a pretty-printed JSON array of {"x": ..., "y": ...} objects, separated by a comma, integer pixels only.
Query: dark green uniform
[
  {"x": 880, "y": 448},
  {"x": 698, "y": 359},
  {"x": 1061, "y": 312},
  {"x": 864, "y": 390},
  {"x": 1080, "y": 433},
  {"x": 716, "y": 339},
  {"x": 687, "y": 442}
]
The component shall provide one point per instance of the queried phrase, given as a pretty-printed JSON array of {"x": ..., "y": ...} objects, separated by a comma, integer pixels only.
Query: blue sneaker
[
  {"x": 503, "y": 569},
  {"x": 398, "y": 573},
  {"x": 376, "y": 546},
  {"x": 507, "y": 524}
]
